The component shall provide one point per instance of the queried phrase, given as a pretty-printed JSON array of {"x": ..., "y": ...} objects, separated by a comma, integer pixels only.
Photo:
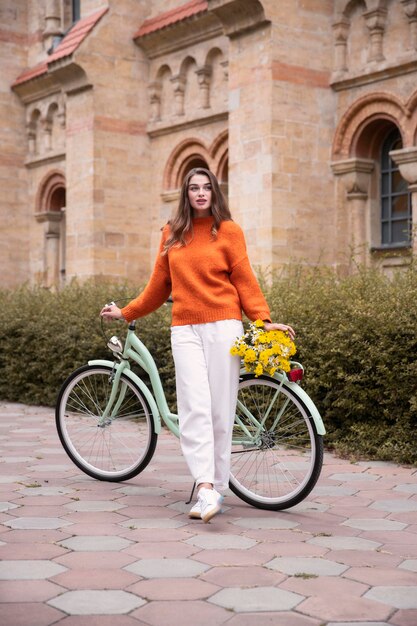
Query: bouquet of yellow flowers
[{"x": 263, "y": 351}]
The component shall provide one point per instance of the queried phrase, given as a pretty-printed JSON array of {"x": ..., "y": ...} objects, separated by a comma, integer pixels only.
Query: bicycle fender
[
  {"x": 144, "y": 389},
  {"x": 310, "y": 406}
]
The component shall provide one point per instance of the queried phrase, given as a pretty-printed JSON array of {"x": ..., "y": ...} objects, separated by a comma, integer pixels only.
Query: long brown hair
[{"x": 181, "y": 225}]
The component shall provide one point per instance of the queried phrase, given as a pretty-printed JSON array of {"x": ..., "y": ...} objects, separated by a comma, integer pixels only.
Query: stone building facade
[{"x": 306, "y": 110}]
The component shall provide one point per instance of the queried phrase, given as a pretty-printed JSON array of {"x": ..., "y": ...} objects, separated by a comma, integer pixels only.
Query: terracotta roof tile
[
  {"x": 170, "y": 17},
  {"x": 68, "y": 45}
]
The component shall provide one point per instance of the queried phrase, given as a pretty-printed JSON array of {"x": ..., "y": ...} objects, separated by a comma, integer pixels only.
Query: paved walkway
[{"x": 78, "y": 552}]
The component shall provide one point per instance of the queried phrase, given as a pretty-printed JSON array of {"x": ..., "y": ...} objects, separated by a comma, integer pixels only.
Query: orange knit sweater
[{"x": 210, "y": 279}]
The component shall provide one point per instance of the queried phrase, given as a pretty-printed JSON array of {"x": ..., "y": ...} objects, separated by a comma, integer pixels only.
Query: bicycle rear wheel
[
  {"x": 116, "y": 449},
  {"x": 277, "y": 453}
]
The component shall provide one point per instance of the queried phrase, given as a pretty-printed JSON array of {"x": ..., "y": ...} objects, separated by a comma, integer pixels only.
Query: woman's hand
[
  {"x": 111, "y": 312},
  {"x": 284, "y": 327}
]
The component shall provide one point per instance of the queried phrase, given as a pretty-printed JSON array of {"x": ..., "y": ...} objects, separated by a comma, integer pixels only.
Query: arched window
[
  {"x": 195, "y": 161},
  {"x": 395, "y": 197},
  {"x": 50, "y": 212}
]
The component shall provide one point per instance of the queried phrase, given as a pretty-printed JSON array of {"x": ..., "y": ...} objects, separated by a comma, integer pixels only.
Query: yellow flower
[
  {"x": 259, "y": 370},
  {"x": 250, "y": 355},
  {"x": 264, "y": 351}
]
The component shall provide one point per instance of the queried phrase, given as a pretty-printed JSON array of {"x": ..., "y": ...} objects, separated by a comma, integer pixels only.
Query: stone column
[
  {"x": 52, "y": 22},
  {"x": 356, "y": 174},
  {"x": 154, "y": 89},
  {"x": 410, "y": 9},
  {"x": 406, "y": 159},
  {"x": 47, "y": 134},
  {"x": 204, "y": 78},
  {"x": 179, "y": 90},
  {"x": 375, "y": 21},
  {"x": 341, "y": 31},
  {"x": 225, "y": 66},
  {"x": 31, "y": 135}
]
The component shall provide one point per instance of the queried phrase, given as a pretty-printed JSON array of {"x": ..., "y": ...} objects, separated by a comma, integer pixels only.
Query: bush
[
  {"x": 46, "y": 335},
  {"x": 356, "y": 337}
]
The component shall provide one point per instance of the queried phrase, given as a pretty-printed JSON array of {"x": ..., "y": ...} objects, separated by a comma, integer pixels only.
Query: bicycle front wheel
[
  {"x": 277, "y": 453},
  {"x": 113, "y": 449}
]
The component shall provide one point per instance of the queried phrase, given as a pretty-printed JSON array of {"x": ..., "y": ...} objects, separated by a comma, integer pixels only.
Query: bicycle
[{"x": 108, "y": 421}]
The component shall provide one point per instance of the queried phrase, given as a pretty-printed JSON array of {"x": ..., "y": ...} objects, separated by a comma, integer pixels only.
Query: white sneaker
[
  {"x": 210, "y": 503},
  {"x": 195, "y": 511}
]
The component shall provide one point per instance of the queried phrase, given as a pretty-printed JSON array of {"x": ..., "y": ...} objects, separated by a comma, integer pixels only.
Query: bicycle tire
[
  {"x": 114, "y": 451},
  {"x": 274, "y": 466}
]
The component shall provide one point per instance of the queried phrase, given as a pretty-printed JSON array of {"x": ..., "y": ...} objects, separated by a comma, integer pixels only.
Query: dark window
[
  {"x": 395, "y": 197},
  {"x": 76, "y": 10}
]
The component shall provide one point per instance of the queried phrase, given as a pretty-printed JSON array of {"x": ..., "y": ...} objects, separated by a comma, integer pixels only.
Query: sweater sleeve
[
  {"x": 251, "y": 297},
  {"x": 156, "y": 291},
  {"x": 244, "y": 280}
]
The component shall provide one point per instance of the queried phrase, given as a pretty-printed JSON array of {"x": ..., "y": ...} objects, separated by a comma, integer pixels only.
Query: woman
[{"x": 202, "y": 261}]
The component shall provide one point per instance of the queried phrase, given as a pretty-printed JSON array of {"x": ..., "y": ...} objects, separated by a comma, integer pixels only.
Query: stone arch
[
  {"x": 219, "y": 150},
  {"x": 162, "y": 92},
  {"x": 33, "y": 130},
  {"x": 345, "y": 7},
  {"x": 217, "y": 71},
  {"x": 361, "y": 113},
  {"x": 188, "y": 151},
  {"x": 49, "y": 192},
  {"x": 50, "y": 212},
  {"x": 186, "y": 85},
  {"x": 186, "y": 63}
]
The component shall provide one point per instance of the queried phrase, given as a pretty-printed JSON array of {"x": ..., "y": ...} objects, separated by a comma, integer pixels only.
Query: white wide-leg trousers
[{"x": 207, "y": 379}]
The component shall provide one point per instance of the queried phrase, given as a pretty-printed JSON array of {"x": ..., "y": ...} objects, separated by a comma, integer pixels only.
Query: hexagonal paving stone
[
  {"x": 307, "y": 565},
  {"x": 38, "y": 523},
  {"x": 95, "y": 543},
  {"x": 400, "y": 597},
  {"x": 410, "y": 564},
  {"x": 265, "y": 523},
  {"x": 94, "y": 505},
  {"x": 356, "y": 624},
  {"x": 132, "y": 490},
  {"x": 374, "y": 524},
  {"x": 345, "y": 543},
  {"x": 167, "y": 568},
  {"x": 10, "y": 479},
  {"x": 218, "y": 541},
  {"x": 162, "y": 522},
  {"x": 45, "y": 491},
  {"x": 29, "y": 570},
  {"x": 353, "y": 476},
  {"x": 97, "y": 602},
  {"x": 256, "y": 599},
  {"x": 7, "y": 506},
  {"x": 395, "y": 506},
  {"x": 330, "y": 490},
  {"x": 406, "y": 488}
]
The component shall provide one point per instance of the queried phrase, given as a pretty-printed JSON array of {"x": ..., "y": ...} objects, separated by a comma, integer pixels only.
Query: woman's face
[{"x": 199, "y": 195}]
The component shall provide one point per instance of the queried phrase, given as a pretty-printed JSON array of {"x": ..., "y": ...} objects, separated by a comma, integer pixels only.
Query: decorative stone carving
[
  {"x": 341, "y": 31},
  {"x": 204, "y": 78},
  {"x": 375, "y": 21},
  {"x": 356, "y": 175},
  {"x": 154, "y": 90},
  {"x": 406, "y": 159},
  {"x": 410, "y": 9},
  {"x": 237, "y": 16},
  {"x": 178, "y": 82}
]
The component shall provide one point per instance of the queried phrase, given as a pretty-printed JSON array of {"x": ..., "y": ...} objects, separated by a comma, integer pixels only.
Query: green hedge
[{"x": 356, "y": 337}]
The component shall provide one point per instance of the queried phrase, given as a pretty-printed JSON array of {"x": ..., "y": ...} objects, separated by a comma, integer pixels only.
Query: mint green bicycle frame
[{"x": 135, "y": 350}]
